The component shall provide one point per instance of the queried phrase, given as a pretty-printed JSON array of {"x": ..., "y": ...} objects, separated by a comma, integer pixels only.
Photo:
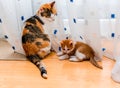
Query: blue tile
[
  {"x": 0, "y": 20},
  {"x": 13, "y": 47},
  {"x": 66, "y": 37},
  {"x": 112, "y": 16},
  {"x": 103, "y": 49},
  {"x": 22, "y": 18},
  {"x": 6, "y": 36},
  {"x": 74, "y": 20},
  {"x": 112, "y": 35},
  {"x": 55, "y": 31},
  {"x": 59, "y": 48},
  {"x": 65, "y": 29},
  {"x": 71, "y": 0},
  {"x": 81, "y": 37}
]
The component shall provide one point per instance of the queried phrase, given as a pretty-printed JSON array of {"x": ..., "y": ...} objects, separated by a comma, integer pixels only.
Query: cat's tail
[
  {"x": 37, "y": 61},
  {"x": 43, "y": 70},
  {"x": 94, "y": 62}
]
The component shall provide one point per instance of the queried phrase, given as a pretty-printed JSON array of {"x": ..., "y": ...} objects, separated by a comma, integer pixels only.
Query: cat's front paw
[
  {"x": 63, "y": 57},
  {"x": 59, "y": 53}
]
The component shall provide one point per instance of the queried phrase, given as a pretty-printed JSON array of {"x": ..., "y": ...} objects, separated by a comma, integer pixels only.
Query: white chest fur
[{"x": 46, "y": 49}]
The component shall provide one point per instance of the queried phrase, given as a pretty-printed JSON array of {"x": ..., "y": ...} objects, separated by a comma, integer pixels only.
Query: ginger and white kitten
[
  {"x": 35, "y": 42},
  {"x": 78, "y": 51}
]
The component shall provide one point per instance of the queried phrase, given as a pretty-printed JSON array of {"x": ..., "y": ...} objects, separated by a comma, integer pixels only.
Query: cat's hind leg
[{"x": 80, "y": 55}]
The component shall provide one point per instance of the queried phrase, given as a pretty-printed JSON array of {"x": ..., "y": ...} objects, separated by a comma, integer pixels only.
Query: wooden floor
[{"x": 61, "y": 74}]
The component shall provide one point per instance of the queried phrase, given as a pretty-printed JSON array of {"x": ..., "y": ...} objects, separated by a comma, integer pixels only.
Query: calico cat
[
  {"x": 35, "y": 42},
  {"x": 77, "y": 52}
]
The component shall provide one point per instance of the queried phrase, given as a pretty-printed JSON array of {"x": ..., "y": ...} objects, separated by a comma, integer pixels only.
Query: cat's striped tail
[
  {"x": 37, "y": 61},
  {"x": 42, "y": 69}
]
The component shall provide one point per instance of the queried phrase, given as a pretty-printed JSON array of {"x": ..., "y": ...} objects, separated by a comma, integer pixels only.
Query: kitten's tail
[
  {"x": 37, "y": 61},
  {"x": 94, "y": 62}
]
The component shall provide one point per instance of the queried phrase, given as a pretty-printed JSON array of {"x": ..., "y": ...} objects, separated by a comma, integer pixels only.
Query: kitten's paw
[
  {"x": 63, "y": 57},
  {"x": 74, "y": 59},
  {"x": 59, "y": 53}
]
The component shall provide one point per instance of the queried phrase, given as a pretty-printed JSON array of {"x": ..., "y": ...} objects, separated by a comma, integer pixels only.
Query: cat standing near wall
[
  {"x": 35, "y": 42},
  {"x": 77, "y": 52}
]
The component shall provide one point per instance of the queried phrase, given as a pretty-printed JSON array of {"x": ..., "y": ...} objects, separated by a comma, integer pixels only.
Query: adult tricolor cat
[{"x": 35, "y": 42}]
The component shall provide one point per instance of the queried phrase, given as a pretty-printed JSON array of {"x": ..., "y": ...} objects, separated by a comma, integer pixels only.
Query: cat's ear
[
  {"x": 52, "y": 4},
  {"x": 71, "y": 43},
  {"x": 40, "y": 11},
  {"x": 61, "y": 42}
]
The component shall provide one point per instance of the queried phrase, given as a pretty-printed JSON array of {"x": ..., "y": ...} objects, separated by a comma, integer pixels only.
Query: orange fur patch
[
  {"x": 25, "y": 31},
  {"x": 30, "y": 48},
  {"x": 48, "y": 6},
  {"x": 85, "y": 49}
]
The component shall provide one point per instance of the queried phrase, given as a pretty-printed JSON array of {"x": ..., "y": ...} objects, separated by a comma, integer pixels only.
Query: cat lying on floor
[
  {"x": 35, "y": 42},
  {"x": 77, "y": 52}
]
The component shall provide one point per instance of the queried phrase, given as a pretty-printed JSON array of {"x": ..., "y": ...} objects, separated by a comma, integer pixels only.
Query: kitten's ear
[
  {"x": 71, "y": 42},
  {"x": 61, "y": 42},
  {"x": 52, "y": 4}
]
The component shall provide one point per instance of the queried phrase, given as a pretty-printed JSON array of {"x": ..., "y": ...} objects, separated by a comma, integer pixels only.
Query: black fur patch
[
  {"x": 46, "y": 13},
  {"x": 44, "y": 37},
  {"x": 39, "y": 19},
  {"x": 38, "y": 43},
  {"x": 33, "y": 29},
  {"x": 43, "y": 71},
  {"x": 34, "y": 58},
  {"x": 36, "y": 33},
  {"x": 28, "y": 38},
  {"x": 31, "y": 20}
]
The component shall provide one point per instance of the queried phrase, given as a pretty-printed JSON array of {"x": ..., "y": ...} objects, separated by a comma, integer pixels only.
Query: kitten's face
[
  {"x": 48, "y": 11},
  {"x": 67, "y": 46}
]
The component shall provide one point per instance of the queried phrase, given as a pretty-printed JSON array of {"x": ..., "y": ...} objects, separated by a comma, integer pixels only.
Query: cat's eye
[
  {"x": 68, "y": 49},
  {"x": 63, "y": 49}
]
